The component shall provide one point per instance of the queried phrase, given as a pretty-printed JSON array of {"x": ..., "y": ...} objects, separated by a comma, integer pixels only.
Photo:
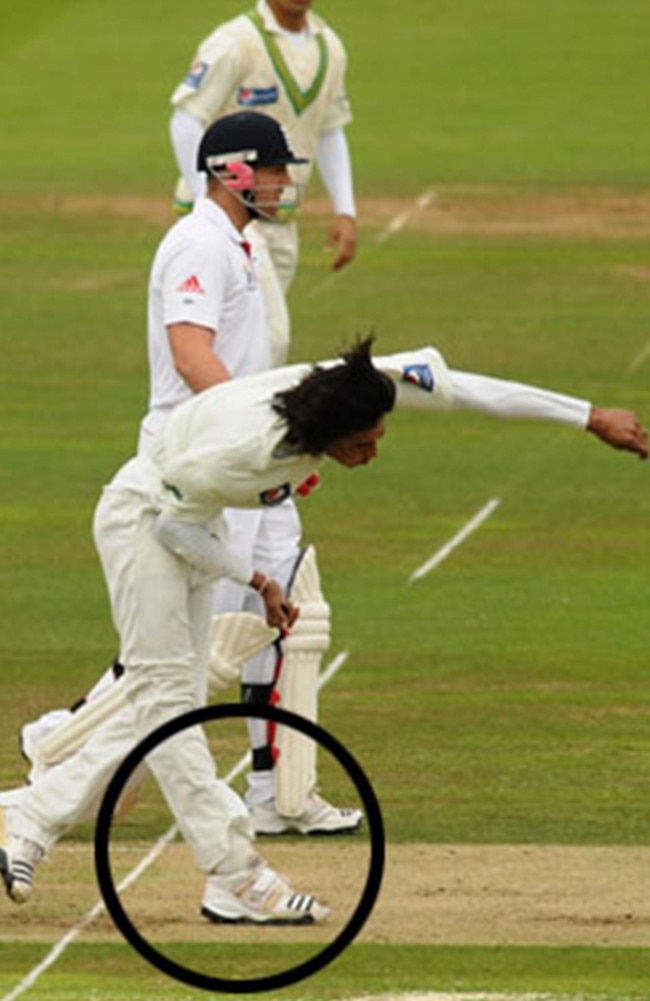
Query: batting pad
[
  {"x": 68, "y": 738},
  {"x": 236, "y": 636},
  {"x": 303, "y": 649}
]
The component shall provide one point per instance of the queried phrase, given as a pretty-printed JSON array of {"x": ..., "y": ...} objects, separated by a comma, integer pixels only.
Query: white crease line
[
  {"x": 54, "y": 954},
  {"x": 640, "y": 358},
  {"x": 57, "y": 950},
  {"x": 332, "y": 668},
  {"x": 396, "y": 223},
  {"x": 399, "y": 221},
  {"x": 394, "y": 226},
  {"x": 321, "y": 285},
  {"x": 426, "y": 199},
  {"x": 457, "y": 540}
]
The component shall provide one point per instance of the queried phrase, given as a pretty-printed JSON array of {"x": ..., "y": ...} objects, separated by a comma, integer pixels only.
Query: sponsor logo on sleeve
[
  {"x": 250, "y": 97},
  {"x": 275, "y": 496},
  {"x": 196, "y": 74},
  {"x": 420, "y": 376},
  {"x": 191, "y": 286}
]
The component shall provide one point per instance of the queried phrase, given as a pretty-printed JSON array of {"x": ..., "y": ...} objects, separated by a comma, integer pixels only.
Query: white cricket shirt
[
  {"x": 251, "y": 63},
  {"x": 223, "y": 448},
  {"x": 202, "y": 274}
]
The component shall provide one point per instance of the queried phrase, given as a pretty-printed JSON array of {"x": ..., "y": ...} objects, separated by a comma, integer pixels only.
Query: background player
[{"x": 285, "y": 61}]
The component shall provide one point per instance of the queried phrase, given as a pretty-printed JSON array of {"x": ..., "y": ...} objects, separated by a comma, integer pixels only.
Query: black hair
[{"x": 334, "y": 402}]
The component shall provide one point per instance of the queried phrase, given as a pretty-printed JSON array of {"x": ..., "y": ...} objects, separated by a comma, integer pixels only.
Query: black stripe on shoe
[
  {"x": 5, "y": 871},
  {"x": 22, "y": 872}
]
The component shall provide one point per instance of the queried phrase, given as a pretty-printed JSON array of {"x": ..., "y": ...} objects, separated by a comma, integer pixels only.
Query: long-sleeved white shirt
[{"x": 222, "y": 448}]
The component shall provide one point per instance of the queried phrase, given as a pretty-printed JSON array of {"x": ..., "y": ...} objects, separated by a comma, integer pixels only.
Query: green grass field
[{"x": 503, "y": 698}]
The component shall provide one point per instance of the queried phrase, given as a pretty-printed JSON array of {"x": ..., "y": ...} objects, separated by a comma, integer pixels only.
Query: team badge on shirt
[
  {"x": 249, "y": 97},
  {"x": 419, "y": 375},
  {"x": 195, "y": 76},
  {"x": 275, "y": 496}
]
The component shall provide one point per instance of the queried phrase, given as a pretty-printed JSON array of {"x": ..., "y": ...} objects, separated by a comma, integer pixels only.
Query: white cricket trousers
[
  {"x": 162, "y": 615},
  {"x": 275, "y": 250}
]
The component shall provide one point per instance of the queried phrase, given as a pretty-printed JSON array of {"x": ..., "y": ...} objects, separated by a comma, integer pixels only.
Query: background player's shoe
[
  {"x": 258, "y": 896},
  {"x": 18, "y": 856},
  {"x": 319, "y": 817}
]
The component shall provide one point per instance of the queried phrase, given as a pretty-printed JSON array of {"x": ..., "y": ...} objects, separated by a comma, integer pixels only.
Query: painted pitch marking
[
  {"x": 399, "y": 221},
  {"x": 457, "y": 540},
  {"x": 394, "y": 226},
  {"x": 637, "y": 362}
]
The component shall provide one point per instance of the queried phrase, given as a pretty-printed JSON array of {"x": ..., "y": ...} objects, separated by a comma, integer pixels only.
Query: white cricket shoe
[
  {"x": 319, "y": 817},
  {"x": 18, "y": 856},
  {"x": 258, "y": 896}
]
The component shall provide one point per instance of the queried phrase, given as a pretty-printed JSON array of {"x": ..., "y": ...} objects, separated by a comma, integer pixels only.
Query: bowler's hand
[
  {"x": 342, "y": 235},
  {"x": 280, "y": 613},
  {"x": 621, "y": 429}
]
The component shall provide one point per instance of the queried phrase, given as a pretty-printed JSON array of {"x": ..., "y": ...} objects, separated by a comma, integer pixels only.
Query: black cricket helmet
[{"x": 248, "y": 137}]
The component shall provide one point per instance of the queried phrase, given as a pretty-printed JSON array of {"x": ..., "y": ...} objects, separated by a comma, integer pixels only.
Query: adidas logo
[{"x": 191, "y": 285}]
